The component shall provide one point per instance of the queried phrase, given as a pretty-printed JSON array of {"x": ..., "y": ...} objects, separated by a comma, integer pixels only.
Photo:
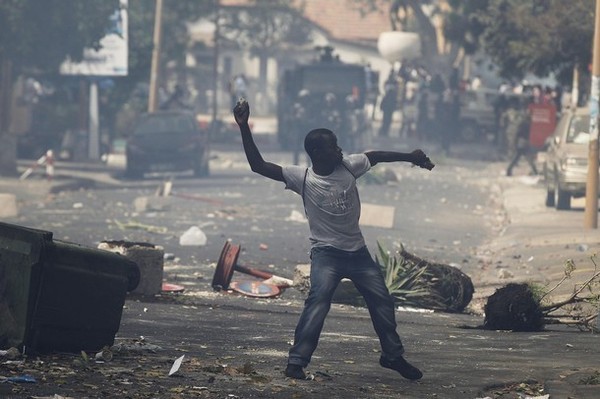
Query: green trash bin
[{"x": 59, "y": 296}]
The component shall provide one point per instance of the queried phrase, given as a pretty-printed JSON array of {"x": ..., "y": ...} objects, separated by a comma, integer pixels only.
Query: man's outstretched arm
[
  {"x": 417, "y": 157},
  {"x": 258, "y": 165}
]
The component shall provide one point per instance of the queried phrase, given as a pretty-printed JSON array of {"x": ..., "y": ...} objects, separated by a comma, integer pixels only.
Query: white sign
[{"x": 112, "y": 58}]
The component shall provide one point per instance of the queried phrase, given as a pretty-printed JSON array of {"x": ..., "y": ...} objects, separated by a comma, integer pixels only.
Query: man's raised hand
[
  {"x": 422, "y": 160},
  {"x": 241, "y": 111}
]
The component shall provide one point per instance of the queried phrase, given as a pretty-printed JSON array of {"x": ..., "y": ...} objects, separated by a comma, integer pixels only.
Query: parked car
[
  {"x": 167, "y": 141},
  {"x": 566, "y": 159}
]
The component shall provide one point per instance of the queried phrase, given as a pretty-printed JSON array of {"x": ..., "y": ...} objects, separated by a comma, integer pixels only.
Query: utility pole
[
  {"x": 215, "y": 85},
  {"x": 152, "y": 95},
  {"x": 591, "y": 191}
]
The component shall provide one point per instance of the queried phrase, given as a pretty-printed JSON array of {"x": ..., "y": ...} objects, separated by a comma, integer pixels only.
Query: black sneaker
[
  {"x": 405, "y": 369},
  {"x": 295, "y": 371}
]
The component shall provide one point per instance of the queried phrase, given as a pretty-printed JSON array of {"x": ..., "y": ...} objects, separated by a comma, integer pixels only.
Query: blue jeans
[{"x": 328, "y": 267}]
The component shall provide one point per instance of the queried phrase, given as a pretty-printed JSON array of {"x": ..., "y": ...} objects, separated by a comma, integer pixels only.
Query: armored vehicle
[{"x": 325, "y": 93}]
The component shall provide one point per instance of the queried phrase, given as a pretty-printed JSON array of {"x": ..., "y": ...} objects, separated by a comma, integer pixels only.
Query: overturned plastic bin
[{"x": 57, "y": 295}]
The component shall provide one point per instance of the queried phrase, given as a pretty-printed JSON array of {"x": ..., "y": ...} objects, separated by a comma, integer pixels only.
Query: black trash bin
[{"x": 57, "y": 295}]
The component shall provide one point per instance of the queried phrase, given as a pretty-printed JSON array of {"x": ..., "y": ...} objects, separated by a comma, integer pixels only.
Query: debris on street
[
  {"x": 525, "y": 307},
  {"x": 227, "y": 264},
  {"x": 140, "y": 226},
  {"x": 176, "y": 365},
  {"x": 148, "y": 257},
  {"x": 193, "y": 236},
  {"x": 513, "y": 307}
]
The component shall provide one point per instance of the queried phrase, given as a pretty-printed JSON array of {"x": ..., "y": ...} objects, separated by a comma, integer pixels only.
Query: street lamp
[
  {"x": 152, "y": 95},
  {"x": 215, "y": 71}
]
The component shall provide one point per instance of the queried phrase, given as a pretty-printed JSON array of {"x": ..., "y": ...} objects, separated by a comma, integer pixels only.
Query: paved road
[{"x": 220, "y": 333}]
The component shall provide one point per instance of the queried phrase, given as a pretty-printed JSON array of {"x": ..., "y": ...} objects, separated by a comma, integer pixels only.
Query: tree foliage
[
  {"x": 525, "y": 36},
  {"x": 266, "y": 26},
  {"x": 463, "y": 24},
  {"x": 141, "y": 13},
  {"x": 40, "y": 34}
]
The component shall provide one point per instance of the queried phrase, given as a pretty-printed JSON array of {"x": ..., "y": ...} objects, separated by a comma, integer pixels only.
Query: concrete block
[
  {"x": 148, "y": 257},
  {"x": 8, "y": 206},
  {"x": 377, "y": 215}
]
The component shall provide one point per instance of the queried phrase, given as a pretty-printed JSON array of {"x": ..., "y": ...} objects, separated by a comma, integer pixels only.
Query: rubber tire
[
  {"x": 550, "y": 198},
  {"x": 563, "y": 200},
  {"x": 132, "y": 173}
]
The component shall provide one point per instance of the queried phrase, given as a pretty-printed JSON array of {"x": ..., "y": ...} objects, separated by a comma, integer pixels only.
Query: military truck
[{"x": 324, "y": 93}]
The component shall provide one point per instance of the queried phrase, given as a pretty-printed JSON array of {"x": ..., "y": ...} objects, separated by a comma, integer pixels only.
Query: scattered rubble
[
  {"x": 148, "y": 257},
  {"x": 518, "y": 307},
  {"x": 514, "y": 308},
  {"x": 446, "y": 283},
  {"x": 193, "y": 236}
]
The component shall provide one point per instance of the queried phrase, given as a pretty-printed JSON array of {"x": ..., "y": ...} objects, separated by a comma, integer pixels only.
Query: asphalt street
[{"x": 221, "y": 334}]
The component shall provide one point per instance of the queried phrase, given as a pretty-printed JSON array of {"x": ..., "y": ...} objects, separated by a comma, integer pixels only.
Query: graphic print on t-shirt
[{"x": 336, "y": 202}]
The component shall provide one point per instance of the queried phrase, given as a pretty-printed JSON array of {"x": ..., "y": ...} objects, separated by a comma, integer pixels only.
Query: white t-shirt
[{"x": 331, "y": 202}]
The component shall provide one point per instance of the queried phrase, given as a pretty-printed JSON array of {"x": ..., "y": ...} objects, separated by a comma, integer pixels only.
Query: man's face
[{"x": 329, "y": 152}]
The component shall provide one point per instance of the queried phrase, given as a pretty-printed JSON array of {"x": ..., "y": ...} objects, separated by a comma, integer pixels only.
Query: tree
[
  {"x": 37, "y": 35},
  {"x": 265, "y": 28},
  {"x": 463, "y": 25},
  {"x": 526, "y": 36},
  {"x": 175, "y": 39},
  {"x": 409, "y": 15}
]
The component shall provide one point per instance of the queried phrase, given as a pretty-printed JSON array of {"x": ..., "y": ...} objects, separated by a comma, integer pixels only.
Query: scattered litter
[
  {"x": 11, "y": 353},
  {"x": 281, "y": 282},
  {"x": 530, "y": 259},
  {"x": 263, "y": 247},
  {"x": 414, "y": 310},
  {"x": 168, "y": 256},
  {"x": 139, "y": 226},
  {"x": 323, "y": 375},
  {"x": 105, "y": 355},
  {"x": 505, "y": 273},
  {"x": 77, "y": 205},
  {"x": 48, "y": 160},
  {"x": 19, "y": 379},
  {"x": 255, "y": 289},
  {"x": 296, "y": 216},
  {"x": 137, "y": 346},
  {"x": 193, "y": 237},
  {"x": 582, "y": 247},
  {"x": 197, "y": 198},
  {"x": 530, "y": 180},
  {"x": 167, "y": 287},
  {"x": 164, "y": 189},
  {"x": 176, "y": 365}
]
